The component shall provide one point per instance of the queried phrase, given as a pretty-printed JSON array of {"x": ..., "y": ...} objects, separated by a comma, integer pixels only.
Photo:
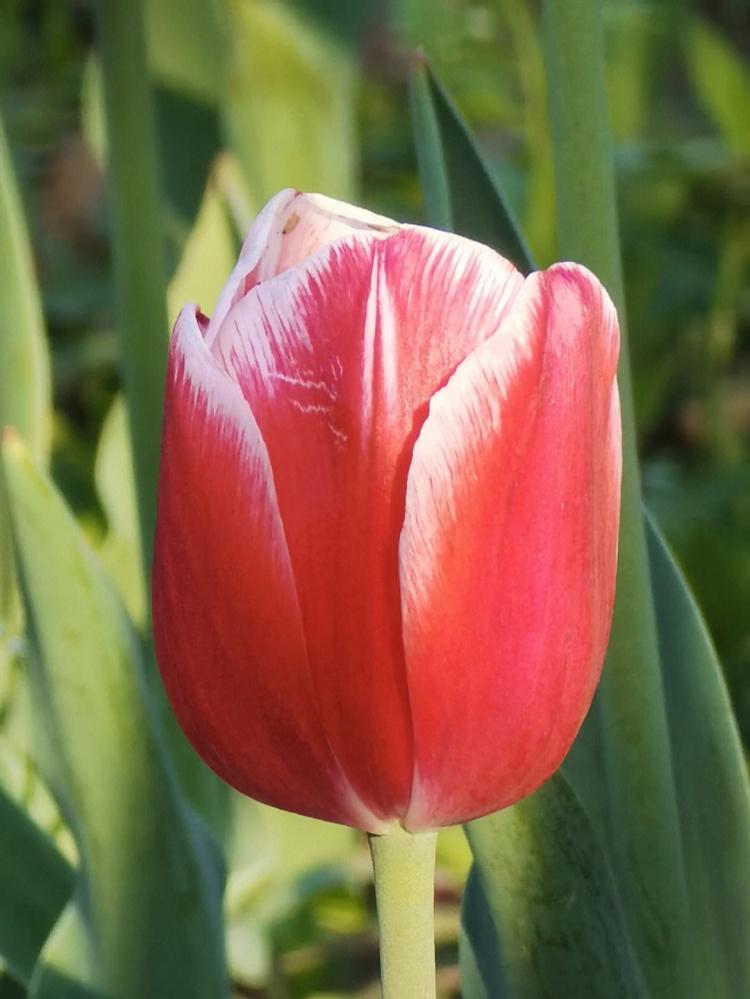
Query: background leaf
[
  {"x": 459, "y": 191},
  {"x": 36, "y": 882},
  {"x": 722, "y": 83},
  {"x": 277, "y": 61}
]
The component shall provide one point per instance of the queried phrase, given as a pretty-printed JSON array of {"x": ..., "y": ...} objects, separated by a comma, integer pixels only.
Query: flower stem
[{"x": 404, "y": 866}]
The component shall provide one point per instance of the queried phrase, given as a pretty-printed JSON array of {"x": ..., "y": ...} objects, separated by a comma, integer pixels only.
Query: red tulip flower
[{"x": 388, "y": 518}]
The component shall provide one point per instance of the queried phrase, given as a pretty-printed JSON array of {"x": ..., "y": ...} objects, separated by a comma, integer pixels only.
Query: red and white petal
[
  {"x": 338, "y": 360},
  {"x": 291, "y": 227},
  {"x": 508, "y": 551},
  {"x": 227, "y": 623}
]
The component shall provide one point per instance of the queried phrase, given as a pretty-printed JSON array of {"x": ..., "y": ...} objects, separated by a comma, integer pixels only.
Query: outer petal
[
  {"x": 508, "y": 551},
  {"x": 338, "y": 360},
  {"x": 290, "y": 228},
  {"x": 227, "y": 624}
]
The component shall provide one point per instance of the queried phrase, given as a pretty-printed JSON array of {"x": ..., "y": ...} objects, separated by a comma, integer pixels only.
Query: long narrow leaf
[
  {"x": 24, "y": 361},
  {"x": 459, "y": 191},
  {"x": 35, "y": 883},
  {"x": 643, "y": 822},
  {"x": 150, "y": 883},
  {"x": 277, "y": 61},
  {"x": 138, "y": 244},
  {"x": 712, "y": 783}
]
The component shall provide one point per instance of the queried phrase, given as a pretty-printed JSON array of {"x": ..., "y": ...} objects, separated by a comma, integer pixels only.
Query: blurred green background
[{"x": 254, "y": 95}]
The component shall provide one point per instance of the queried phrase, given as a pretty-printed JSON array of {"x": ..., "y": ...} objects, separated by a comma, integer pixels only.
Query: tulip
[{"x": 388, "y": 516}]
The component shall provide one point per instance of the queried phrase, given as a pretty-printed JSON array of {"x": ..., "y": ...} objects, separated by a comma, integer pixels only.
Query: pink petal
[
  {"x": 508, "y": 551},
  {"x": 338, "y": 360},
  {"x": 291, "y": 227},
  {"x": 227, "y": 623}
]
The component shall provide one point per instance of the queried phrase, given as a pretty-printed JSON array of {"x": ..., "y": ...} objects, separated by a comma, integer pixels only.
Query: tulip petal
[
  {"x": 508, "y": 551},
  {"x": 338, "y": 360},
  {"x": 227, "y": 624},
  {"x": 291, "y": 227}
]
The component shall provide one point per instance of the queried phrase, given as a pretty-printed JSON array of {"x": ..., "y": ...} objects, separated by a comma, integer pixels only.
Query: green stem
[
  {"x": 404, "y": 866},
  {"x": 641, "y": 799},
  {"x": 137, "y": 238}
]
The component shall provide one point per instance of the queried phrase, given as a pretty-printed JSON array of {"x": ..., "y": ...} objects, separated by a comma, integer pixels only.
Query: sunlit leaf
[
  {"x": 24, "y": 371},
  {"x": 722, "y": 84},
  {"x": 290, "y": 102},
  {"x": 113, "y": 474},
  {"x": 149, "y": 888},
  {"x": 66, "y": 968},
  {"x": 209, "y": 253},
  {"x": 186, "y": 46}
]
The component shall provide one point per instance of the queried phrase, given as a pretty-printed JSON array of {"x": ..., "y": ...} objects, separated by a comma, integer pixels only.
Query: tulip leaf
[
  {"x": 643, "y": 823},
  {"x": 459, "y": 191},
  {"x": 713, "y": 792},
  {"x": 24, "y": 371},
  {"x": 479, "y": 945},
  {"x": 137, "y": 236},
  {"x": 150, "y": 883},
  {"x": 722, "y": 83},
  {"x": 113, "y": 474},
  {"x": 186, "y": 46},
  {"x": 66, "y": 968},
  {"x": 208, "y": 256},
  {"x": 36, "y": 882},
  {"x": 552, "y": 897},
  {"x": 279, "y": 60},
  {"x": 10, "y": 988}
]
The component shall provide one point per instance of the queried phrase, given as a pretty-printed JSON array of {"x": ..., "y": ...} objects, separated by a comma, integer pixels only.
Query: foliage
[{"x": 247, "y": 96}]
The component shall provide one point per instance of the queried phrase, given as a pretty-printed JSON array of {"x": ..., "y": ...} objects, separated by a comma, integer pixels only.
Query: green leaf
[
  {"x": 549, "y": 889},
  {"x": 479, "y": 945},
  {"x": 67, "y": 966},
  {"x": 186, "y": 46},
  {"x": 136, "y": 211},
  {"x": 712, "y": 783},
  {"x": 722, "y": 83},
  {"x": 25, "y": 399},
  {"x": 113, "y": 473},
  {"x": 638, "y": 795},
  {"x": 277, "y": 62},
  {"x": 150, "y": 882},
  {"x": 24, "y": 363},
  {"x": 459, "y": 192},
  {"x": 209, "y": 253},
  {"x": 36, "y": 882}
]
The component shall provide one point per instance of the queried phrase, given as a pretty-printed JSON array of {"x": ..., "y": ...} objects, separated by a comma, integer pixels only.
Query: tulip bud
[{"x": 388, "y": 518}]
